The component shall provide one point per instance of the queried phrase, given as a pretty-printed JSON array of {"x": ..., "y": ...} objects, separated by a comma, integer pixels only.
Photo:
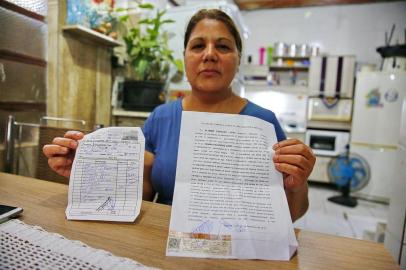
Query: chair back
[{"x": 46, "y": 134}]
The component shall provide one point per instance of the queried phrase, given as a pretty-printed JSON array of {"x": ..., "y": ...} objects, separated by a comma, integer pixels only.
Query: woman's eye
[
  {"x": 223, "y": 47},
  {"x": 197, "y": 46}
]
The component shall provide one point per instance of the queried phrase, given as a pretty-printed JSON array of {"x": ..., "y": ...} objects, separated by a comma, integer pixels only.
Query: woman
[{"x": 212, "y": 55}]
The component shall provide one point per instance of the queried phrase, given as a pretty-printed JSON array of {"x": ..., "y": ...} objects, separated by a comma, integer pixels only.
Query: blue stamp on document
[
  {"x": 205, "y": 227},
  {"x": 219, "y": 227}
]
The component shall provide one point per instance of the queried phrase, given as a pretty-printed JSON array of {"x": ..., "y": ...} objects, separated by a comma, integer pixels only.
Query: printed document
[
  {"x": 106, "y": 177},
  {"x": 229, "y": 200}
]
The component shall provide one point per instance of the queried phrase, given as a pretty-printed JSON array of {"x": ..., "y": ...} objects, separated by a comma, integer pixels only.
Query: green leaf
[
  {"x": 135, "y": 51},
  {"x": 160, "y": 13},
  {"x": 153, "y": 33},
  {"x": 146, "y": 6},
  {"x": 141, "y": 69},
  {"x": 179, "y": 65},
  {"x": 145, "y": 21},
  {"x": 123, "y": 18},
  {"x": 167, "y": 21},
  {"x": 147, "y": 43},
  {"x": 134, "y": 32},
  {"x": 165, "y": 68}
]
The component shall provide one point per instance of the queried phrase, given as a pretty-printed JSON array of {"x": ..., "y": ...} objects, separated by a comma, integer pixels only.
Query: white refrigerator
[
  {"x": 375, "y": 127},
  {"x": 395, "y": 240}
]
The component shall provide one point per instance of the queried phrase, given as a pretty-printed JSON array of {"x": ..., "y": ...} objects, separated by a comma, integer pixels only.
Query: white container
[
  {"x": 292, "y": 50},
  {"x": 332, "y": 76},
  {"x": 315, "y": 51},
  {"x": 320, "y": 110},
  {"x": 280, "y": 49},
  {"x": 303, "y": 50}
]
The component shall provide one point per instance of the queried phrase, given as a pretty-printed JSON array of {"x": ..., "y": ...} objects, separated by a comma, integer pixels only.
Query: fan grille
[{"x": 351, "y": 167}]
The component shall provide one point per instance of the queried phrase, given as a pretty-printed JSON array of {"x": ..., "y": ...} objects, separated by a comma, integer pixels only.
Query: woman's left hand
[{"x": 295, "y": 160}]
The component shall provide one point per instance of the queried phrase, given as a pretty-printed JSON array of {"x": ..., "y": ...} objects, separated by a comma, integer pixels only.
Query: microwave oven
[{"x": 327, "y": 142}]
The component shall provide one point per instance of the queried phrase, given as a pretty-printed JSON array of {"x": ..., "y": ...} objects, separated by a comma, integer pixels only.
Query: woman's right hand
[{"x": 61, "y": 152}]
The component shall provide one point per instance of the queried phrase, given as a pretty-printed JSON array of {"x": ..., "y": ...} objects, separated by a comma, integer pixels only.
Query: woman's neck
[{"x": 225, "y": 102}]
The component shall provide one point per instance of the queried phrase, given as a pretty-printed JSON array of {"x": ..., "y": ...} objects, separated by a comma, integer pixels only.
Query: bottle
[
  {"x": 269, "y": 77},
  {"x": 261, "y": 55},
  {"x": 249, "y": 59},
  {"x": 269, "y": 56}
]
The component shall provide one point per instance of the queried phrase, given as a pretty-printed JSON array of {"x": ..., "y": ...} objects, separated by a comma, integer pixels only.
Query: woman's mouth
[{"x": 209, "y": 72}]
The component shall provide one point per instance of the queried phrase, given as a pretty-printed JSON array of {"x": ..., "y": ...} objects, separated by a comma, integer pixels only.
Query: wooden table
[{"x": 144, "y": 240}]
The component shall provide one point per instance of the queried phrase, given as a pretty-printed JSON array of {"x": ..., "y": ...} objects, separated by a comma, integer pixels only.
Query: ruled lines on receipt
[{"x": 106, "y": 177}]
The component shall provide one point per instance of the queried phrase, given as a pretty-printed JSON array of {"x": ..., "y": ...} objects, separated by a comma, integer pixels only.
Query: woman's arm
[
  {"x": 298, "y": 202},
  {"x": 148, "y": 191},
  {"x": 295, "y": 160}
]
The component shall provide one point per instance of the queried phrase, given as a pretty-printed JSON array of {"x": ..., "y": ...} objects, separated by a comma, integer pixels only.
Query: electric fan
[{"x": 350, "y": 172}]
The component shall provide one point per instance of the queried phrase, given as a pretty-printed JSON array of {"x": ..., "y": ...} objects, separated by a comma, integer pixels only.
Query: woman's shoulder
[
  {"x": 167, "y": 109},
  {"x": 162, "y": 117},
  {"x": 255, "y": 110}
]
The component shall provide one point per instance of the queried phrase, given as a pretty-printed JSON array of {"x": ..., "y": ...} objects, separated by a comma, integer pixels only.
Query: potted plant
[{"x": 150, "y": 59}]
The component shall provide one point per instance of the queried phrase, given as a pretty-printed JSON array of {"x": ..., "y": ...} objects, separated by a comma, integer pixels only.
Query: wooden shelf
[
  {"x": 22, "y": 106},
  {"x": 294, "y": 58},
  {"x": 121, "y": 112},
  {"x": 287, "y": 68},
  {"x": 264, "y": 86},
  {"x": 92, "y": 35}
]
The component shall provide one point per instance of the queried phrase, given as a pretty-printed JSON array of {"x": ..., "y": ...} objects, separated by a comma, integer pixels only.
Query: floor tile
[{"x": 324, "y": 216}]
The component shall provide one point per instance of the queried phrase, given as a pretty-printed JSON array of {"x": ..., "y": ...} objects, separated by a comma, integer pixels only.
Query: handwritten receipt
[
  {"x": 106, "y": 177},
  {"x": 229, "y": 200}
]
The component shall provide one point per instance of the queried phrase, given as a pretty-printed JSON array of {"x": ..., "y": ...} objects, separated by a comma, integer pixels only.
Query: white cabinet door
[
  {"x": 382, "y": 163},
  {"x": 397, "y": 207},
  {"x": 393, "y": 245},
  {"x": 402, "y": 134},
  {"x": 377, "y": 107}
]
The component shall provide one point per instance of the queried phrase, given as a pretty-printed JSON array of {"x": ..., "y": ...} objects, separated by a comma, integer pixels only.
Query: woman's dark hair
[{"x": 214, "y": 14}]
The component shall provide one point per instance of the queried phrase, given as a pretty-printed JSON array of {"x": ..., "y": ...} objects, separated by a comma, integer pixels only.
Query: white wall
[{"x": 343, "y": 29}]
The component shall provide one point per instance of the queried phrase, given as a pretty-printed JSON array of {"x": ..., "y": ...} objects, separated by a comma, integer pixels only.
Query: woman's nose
[{"x": 210, "y": 53}]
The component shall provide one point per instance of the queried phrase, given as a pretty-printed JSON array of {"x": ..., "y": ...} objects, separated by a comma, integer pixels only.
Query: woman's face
[{"x": 211, "y": 57}]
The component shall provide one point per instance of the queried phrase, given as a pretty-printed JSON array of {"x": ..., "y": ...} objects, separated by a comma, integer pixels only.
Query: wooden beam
[
  {"x": 21, "y": 10},
  {"x": 22, "y": 106},
  {"x": 263, "y": 4},
  {"x": 22, "y": 58}
]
